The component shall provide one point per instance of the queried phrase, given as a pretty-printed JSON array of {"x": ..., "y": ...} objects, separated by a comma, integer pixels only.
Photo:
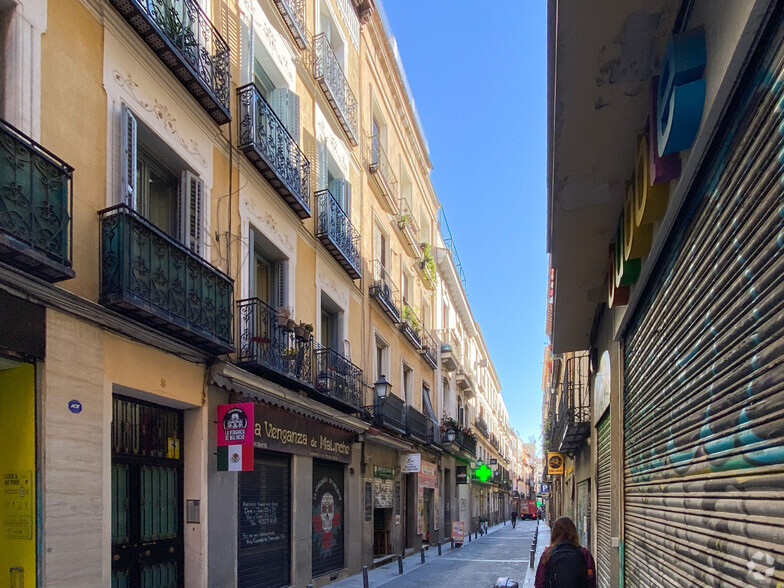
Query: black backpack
[{"x": 566, "y": 567}]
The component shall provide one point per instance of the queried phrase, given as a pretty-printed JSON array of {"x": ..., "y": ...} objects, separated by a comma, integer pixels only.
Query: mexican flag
[{"x": 235, "y": 458}]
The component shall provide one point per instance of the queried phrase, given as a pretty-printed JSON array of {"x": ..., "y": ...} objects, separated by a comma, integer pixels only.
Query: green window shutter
[{"x": 128, "y": 167}]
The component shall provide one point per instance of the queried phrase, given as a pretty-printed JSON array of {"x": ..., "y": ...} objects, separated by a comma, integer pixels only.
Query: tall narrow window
[
  {"x": 408, "y": 383},
  {"x": 331, "y": 319},
  {"x": 269, "y": 277}
]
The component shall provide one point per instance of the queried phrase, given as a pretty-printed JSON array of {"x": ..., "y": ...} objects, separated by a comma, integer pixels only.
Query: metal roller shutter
[
  {"x": 328, "y": 516},
  {"x": 264, "y": 523},
  {"x": 603, "y": 505},
  {"x": 704, "y": 366}
]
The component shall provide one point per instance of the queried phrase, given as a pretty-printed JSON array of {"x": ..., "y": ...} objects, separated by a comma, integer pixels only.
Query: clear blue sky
[{"x": 478, "y": 71}]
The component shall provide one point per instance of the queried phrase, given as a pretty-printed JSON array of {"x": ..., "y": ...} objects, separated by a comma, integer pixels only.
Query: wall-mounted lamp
[
  {"x": 383, "y": 387},
  {"x": 450, "y": 435}
]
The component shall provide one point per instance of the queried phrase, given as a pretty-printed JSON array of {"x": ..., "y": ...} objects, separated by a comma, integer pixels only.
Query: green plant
[
  {"x": 411, "y": 318},
  {"x": 308, "y": 327},
  {"x": 290, "y": 352},
  {"x": 405, "y": 219},
  {"x": 429, "y": 264}
]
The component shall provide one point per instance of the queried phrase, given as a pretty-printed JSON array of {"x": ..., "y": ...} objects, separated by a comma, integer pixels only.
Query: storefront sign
[
  {"x": 462, "y": 474},
  {"x": 555, "y": 463},
  {"x": 383, "y": 472},
  {"x": 411, "y": 463},
  {"x": 277, "y": 429},
  {"x": 427, "y": 475},
  {"x": 234, "y": 438},
  {"x": 458, "y": 531}
]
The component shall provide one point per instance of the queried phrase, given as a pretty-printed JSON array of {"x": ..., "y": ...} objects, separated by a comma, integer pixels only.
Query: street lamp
[
  {"x": 383, "y": 387},
  {"x": 450, "y": 435}
]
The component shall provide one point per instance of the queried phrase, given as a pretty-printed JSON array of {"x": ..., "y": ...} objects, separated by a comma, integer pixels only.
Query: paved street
[{"x": 503, "y": 552}]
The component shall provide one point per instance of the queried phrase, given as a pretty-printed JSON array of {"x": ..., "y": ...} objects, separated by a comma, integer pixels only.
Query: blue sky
[{"x": 478, "y": 71}]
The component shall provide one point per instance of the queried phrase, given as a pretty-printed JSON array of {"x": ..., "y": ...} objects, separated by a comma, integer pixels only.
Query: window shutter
[
  {"x": 346, "y": 204},
  {"x": 377, "y": 243},
  {"x": 336, "y": 188},
  {"x": 192, "y": 211},
  {"x": 279, "y": 101},
  {"x": 292, "y": 123},
  {"x": 281, "y": 271},
  {"x": 128, "y": 164},
  {"x": 321, "y": 166}
]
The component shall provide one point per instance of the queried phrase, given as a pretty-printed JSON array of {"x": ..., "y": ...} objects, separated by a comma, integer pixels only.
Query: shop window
[{"x": 158, "y": 184}]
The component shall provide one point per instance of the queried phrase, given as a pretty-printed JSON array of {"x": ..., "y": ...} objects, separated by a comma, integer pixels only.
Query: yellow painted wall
[
  {"x": 17, "y": 472},
  {"x": 144, "y": 368},
  {"x": 72, "y": 87},
  {"x": 306, "y": 282}
]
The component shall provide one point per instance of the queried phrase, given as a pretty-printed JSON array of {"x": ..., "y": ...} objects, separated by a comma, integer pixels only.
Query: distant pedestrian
[
  {"x": 514, "y": 518},
  {"x": 564, "y": 564}
]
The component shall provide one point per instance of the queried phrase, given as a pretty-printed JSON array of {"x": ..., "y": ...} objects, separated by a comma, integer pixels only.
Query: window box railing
[
  {"x": 409, "y": 226},
  {"x": 416, "y": 424},
  {"x": 293, "y": 13},
  {"x": 385, "y": 292},
  {"x": 572, "y": 416},
  {"x": 429, "y": 349},
  {"x": 269, "y": 146},
  {"x": 329, "y": 75},
  {"x": 270, "y": 350},
  {"x": 380, "y": 168},
  {"x": 466, "y": 443},
  {"x": 335, "y": 231},
  {"x": 182, "y": 36},
  {"x": 450, "y": 350},
  {"x": 464, "y": 378},
  {"x": 148, "y": 276},
  {"x": 337, "y": 379},
  {"x": 411, "y": 325},
  {"x": 390, "y": 413},
  {"x": 481, "y": 426},
  {"x": 36, "y": 207}
]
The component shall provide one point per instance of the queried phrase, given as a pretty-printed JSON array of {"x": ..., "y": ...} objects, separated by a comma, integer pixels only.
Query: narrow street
[{"x": 503, "y": 552}]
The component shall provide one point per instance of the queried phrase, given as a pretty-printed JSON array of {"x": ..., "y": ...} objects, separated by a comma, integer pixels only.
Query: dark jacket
[{"x": 541, "y": 570}]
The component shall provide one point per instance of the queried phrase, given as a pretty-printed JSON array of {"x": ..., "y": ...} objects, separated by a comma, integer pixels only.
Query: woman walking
[{"x": 564, "y": 564}]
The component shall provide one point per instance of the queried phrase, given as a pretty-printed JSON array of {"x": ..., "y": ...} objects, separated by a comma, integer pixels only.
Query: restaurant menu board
[
  {"x": 17, "y": 507},
  {"x": 383, "y": 491},
  {"x": 263, "y": 523},
  {"x": 368, "y": 501},
  {"x": 458, "y": 532}
]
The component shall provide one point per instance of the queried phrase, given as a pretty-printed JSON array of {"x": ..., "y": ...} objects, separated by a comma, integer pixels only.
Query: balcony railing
[
  {"x": 572, "y": 424},
  {"x": 36, "y": 207},
  {"x": 411, "y": 325},
  {"x": 182, "y": 36},
  {"x": 450, "y": 350},
  {"x": 338, "y": 380},
  {"x": 147, "y": 275},
  {"x": 416, "y": 424},
  {"x": 429, "y": 349},
  {"x": 390, "y": 413},
  {"x": 466, "y": 443},
  {"x": 384, "y": 290},
  {"x": 329, "y": 75},
  {"x": 269, "y": 146},
  {"x": 381, "y": 169},
  {"x": 293, "y": 13},
  {"x": 269, "y": 349},
  {"x": 335, "y": 231},
  {"x": 409, "y": 226},
  {"x": 464, "y": 378},
  {"x": 481, "y": 426}
]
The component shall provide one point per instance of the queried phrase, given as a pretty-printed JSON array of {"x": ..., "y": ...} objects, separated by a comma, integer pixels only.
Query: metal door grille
[
  {"x": 603, "y": 505},
  {"x": 328, "y": 517},
  {"x": 704, "y": 395}
]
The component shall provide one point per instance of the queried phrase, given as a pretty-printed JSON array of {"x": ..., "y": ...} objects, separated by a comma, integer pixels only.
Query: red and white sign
[
  {"x": 235, "y": 437},
  {"x": 458, "y": 531}
]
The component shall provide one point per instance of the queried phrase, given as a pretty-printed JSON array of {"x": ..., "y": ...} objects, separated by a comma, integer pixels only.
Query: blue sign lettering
[{"x": 75, "y": 406}]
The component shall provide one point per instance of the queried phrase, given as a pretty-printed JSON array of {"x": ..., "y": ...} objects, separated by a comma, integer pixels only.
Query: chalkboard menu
[
  {"x": 264, "y": 524},
  {"x": 368, "y": 501}
]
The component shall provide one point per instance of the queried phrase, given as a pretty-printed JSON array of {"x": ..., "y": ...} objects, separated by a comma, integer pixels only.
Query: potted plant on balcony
[
  {"x": 308, "y": 330},
  {"x": 428, "y": 265},
  {"x": 404, "y": 221},
  {"x": 299, "y": 331},
  {"x": 411, "y": 319},
  {"x": 283, "y": 316}
]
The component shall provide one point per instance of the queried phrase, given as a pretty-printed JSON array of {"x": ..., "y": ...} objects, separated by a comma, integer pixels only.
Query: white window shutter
[
  {"x": 281, "y": 272},
  {"x": 279, "y": 100},
  {"x": 128, "y": 164},
  {"x": 292, "y": 123},
  {"x": 346, "y": 199},
  {"x": 336, "y": 189},
  {"x": 321, "y": 166},
  {"x": 192, "y": 211}
]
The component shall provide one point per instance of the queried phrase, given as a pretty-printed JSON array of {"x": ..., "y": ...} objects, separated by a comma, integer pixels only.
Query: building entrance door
[{"x": 147, "y": 546}]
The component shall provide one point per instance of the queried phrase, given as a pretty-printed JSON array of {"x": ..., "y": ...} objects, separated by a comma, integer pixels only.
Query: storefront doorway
[
  {"x": 147, "y": 546},
  {"x": 328, "y": 517}
]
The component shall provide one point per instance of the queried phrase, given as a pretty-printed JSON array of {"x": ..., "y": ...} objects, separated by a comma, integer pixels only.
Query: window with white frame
[
  {"x": 272, "y": 86},
  {"x": 330, "y": 177},
  {"x": 380, "y": 246},
  {"x": 331, "y": 332},
  {"x": 382, "y": 358},
  {"x": 329, "y": 26},
  {"x": 408, "y": 384},
  {"x": 378, "y": 129},
  {"x": 406, "y": 187},
  {"x": 269, "y": 272},
  {"x": 159, "y": 185}
]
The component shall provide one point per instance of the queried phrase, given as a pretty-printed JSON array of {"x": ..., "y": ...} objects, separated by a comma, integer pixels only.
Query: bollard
[
  {"x": 364, "y": 577},
  {"x": 439, "y": 548},
  {"x": 422, "y": 553},
  {"x": 452, "y": 540},
  {"x": 469, "y": 537},
  {"x": 504, "y": 522},
  {"x": 400, "y": 564}
]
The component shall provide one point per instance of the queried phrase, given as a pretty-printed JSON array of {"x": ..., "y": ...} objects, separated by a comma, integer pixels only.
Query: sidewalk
[
  {"x": 541, "y": 543},
  {"x": 388, "y": 572}
]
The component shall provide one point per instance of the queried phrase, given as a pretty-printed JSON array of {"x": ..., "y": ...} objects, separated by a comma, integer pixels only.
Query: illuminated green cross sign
[{"x": 483, "y": 472}]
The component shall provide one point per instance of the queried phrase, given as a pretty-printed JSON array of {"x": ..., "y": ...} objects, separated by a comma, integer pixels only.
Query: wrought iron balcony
[
  {"x": 335, "y": 231},
  {"x": 572, "y": 418},
  {"x": 466, "y": 443},
  {"x": 451, "y": 358},
  {"x": 416, "y": 424},
  {"x": 410, "y": 325},
  {"x": 409, "y": 227},
  {"x": 36, "y": 207},
  {"x": 329, "y": 75},
  {"x": 385, "y": 292},
  {"x": 481, "y": 426},
  {"x": 293, "y": 13},
  {"x": 267, "y": 348},
  {"x": 429, "y": 349},
  {"x": 434, "y": 434},
  {"x": 182, "y": 36},
  {"x": 148, "y": 276},
  {"x": 380, "y": 168},
  {"x": 390, "y": 413},
  {"x": 464, "y": 379},
  {"x": 269, "y": 146},
  {"x": 338, "y": 381}
]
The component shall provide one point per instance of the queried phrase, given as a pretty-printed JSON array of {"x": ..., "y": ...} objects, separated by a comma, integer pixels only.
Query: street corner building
[
  {"x": 663, "y": 381},
  {"x": 237, "y": 348}
]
